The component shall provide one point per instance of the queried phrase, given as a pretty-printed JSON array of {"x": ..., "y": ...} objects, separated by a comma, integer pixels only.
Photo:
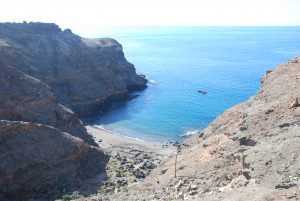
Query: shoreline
[
  {"x": 143, "y": 136},
  {"x": 99, "y": 127},
  {"x": 131, "y": 160},
  {"x": 111, "y": 142}
]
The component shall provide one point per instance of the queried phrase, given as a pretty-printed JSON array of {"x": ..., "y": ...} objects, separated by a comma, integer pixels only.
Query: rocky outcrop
[
  {"x": 39, "y": 161},
  {"x": 86, "y": 75},
  {"x": 24, "y": 98}
]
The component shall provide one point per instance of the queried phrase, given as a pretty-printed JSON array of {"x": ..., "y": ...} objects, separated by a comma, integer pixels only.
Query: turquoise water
[{"x": 226, "y": 61}]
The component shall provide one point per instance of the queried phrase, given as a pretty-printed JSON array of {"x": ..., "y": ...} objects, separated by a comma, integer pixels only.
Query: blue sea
[{"x": 228, "y": 62}]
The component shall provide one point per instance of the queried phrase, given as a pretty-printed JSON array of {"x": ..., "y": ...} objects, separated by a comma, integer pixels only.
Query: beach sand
[{"x": 113, "y": 143}]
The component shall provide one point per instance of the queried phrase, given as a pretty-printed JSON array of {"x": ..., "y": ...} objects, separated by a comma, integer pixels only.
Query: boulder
[{"x": 38, "y": 160}]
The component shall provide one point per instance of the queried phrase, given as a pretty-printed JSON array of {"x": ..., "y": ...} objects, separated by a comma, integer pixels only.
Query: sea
[{"x": 227, "y": 62}]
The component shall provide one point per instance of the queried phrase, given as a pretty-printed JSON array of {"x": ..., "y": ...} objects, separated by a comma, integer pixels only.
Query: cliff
[
  {"x": 249, "y": 152},
  {"x": 46, "y": 74},
  {"x": 86, "y": 75},
  {"x": 24, "y": 98}
]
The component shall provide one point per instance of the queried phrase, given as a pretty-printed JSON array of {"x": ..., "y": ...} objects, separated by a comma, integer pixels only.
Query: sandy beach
[{"x": 113, "y": 142}]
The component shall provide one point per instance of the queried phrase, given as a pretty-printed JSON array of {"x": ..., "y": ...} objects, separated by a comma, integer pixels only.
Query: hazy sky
[{"x": 75, "y": 13}]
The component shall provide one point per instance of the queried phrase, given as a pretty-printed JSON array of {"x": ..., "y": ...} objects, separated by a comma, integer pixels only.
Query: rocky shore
[{"x": 131, "y": 161}]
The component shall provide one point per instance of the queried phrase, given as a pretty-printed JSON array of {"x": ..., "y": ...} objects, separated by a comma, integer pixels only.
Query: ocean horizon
[{"x": 227, "y": 62}]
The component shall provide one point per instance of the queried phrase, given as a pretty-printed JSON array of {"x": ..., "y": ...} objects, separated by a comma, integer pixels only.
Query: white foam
[
  {"x": 133, "y": 138},
  {"x": 118, "y": 133},
  {"x": 151, "y": 81},
  {"x": 190, "y": 132}
]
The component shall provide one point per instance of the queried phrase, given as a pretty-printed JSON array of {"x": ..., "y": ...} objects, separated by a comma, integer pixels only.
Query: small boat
[{"x": 203, "y": 91}]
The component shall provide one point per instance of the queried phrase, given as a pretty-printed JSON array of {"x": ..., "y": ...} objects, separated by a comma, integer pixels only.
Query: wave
[
  {"x": 101, "y": 127},
  {"x": 132, "y": 138},
  {"x": 190, "y": 132},
  {"x": 151, "y": 81}
]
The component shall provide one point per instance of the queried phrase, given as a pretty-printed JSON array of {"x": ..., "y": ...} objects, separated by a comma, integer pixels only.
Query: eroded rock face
[
  {"x": 24, "y": 98},
  {"x": 37, "y": 160},
  {"x": 86, "y": 75}
]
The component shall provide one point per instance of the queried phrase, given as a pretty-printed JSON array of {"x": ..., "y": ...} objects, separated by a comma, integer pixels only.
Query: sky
[{"x": 95, "y": 13}]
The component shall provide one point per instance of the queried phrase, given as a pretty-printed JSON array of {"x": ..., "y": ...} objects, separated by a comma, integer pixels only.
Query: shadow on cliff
[{"x": 118, "y": 111}]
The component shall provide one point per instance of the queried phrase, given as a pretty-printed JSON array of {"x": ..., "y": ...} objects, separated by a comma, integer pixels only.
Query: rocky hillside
[
  {"x": 39, "y": 161},
  {"x": 86, "y": 75},
  {"x": 24, "y": 98},
  {"x": 250, "y": 152},
  {"x": 46, "y": 74}
]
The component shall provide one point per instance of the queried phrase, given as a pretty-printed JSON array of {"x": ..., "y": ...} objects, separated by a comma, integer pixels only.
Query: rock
[
  {"x": 137, "y": 160},
  {"x": 205, "y": 145},
  {"x": 39, "y": 160},
  {"x": 179, "y": 184},
  {"x": 129, "y": 166},
  {"x": 247, "y": 174},
  {"x": 139, "y": 174},
  {"x": 192, "y": 192},
  {"x": 294, "y": 103},
  {"x": 116, "y": 190},
  {"x": 243, "y": 128},
  {"x": 163, "y": 171},
  {"x": 124, "y": 159},
  {"x": 108, "y": 189},
  {"x": 118, "y": 174},
  {"x": 268, "y": 71},
  {"x": 118, "y": 157},
  {"x": 285, "y": 125},
  {"x": 179, "y": 195},
  {"x": 269, "y": 111},
  {"x": 149, "y": 165},
  {"x": 285, "y": 185},
  {"x": 146, "y": 156},
  {"x": 121, "y": 182},
  {"x": 247, "y": 141},
  {"x": 193, "y": 187},
  {"x": 25, "y": 98},
  {"x": 86, "y": 75},
  {"x": 137, "y": 154}
]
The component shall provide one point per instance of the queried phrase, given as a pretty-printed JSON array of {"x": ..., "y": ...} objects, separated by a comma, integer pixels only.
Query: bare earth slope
[{"x": 250, "y": 152}]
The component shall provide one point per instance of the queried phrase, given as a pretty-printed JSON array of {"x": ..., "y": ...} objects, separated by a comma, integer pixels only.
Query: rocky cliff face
[
  {"x": 38, "y": 161},
  {"x": 44, "y": 71},
  {"x": 24, "y": 98},
  {"x": 86, "y": 75},
  {"x": 250, "y": 152}
]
